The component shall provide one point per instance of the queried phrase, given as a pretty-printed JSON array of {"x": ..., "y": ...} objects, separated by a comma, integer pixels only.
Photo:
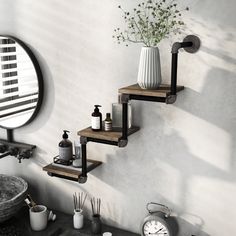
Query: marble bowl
[{"x": 13, "y": 191}]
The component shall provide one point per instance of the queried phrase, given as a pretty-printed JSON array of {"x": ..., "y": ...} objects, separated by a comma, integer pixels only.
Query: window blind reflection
[{"x": 18, "y": 81}]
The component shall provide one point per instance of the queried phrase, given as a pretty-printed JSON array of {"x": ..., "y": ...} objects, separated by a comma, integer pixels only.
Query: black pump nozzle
[
  {"x": 65, "y": 135},
  {"x": 97, "y": 108}
]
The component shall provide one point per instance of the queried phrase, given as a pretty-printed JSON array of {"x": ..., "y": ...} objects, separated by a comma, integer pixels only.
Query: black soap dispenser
[
  {"x": 65, "y": 148},
  {"x": 96, "y": 123}
]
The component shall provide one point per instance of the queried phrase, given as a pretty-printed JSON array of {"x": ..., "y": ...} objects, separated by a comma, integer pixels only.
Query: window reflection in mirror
[{"x": 19, "y": 87}]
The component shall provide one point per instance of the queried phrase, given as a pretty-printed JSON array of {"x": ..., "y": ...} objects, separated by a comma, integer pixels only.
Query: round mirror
[{"x": 21, "y": 83}]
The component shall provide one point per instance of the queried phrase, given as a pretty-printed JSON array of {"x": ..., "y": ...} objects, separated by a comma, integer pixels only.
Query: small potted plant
[{"x": 148, "y": 24}]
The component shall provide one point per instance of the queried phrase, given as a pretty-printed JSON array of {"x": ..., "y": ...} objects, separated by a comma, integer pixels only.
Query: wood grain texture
[
  {"x": 105, "y": 135},
  {"x": 71, "y": 173},
  {"x": 162, "y": 91}
]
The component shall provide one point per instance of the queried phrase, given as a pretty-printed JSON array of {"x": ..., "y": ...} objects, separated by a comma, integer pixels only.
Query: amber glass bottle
[{"x": 108, "y": 122}]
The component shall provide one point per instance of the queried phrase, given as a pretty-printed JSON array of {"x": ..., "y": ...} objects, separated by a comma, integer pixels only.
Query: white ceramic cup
[{"x": 38, "y": 217}]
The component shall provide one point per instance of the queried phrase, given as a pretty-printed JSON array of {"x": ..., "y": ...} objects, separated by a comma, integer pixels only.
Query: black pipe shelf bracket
[
  {"x": 166, "y": 93},
  {"x": 116, "y": 138},
  {"x": 190, "y": 44},
  {"x": 19, "y": 150}
]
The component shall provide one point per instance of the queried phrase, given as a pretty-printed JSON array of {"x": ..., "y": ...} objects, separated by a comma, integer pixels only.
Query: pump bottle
[
  {"x": 96, "y": 119},
  {"x": 65, "y": 148}
]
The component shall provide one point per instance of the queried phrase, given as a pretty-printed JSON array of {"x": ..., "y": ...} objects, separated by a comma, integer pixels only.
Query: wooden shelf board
[
  {"x": 69, "y": 173},
  {"x": 162, "y": 91},
  {"x": 106, "y": 135}
]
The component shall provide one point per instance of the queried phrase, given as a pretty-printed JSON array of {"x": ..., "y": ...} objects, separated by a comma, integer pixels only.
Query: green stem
[{"x": 141, "y": 33}]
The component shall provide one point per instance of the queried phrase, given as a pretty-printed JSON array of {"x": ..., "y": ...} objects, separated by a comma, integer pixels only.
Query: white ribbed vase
[{"x": 149, "y": 73}]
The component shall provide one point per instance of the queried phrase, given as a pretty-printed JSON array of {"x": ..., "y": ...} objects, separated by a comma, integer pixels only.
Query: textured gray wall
[{"x": 184, "y": 154}]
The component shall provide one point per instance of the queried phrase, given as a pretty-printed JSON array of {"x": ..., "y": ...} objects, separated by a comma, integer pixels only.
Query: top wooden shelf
[{"x": 163, "y": 91}]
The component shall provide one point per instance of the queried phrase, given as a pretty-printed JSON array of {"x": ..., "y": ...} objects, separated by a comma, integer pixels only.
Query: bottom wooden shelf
[{"x": 69, "y": 172}]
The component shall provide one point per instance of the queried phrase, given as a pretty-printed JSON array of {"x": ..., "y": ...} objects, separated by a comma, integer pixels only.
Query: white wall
[{"x": 184, "y": 154}]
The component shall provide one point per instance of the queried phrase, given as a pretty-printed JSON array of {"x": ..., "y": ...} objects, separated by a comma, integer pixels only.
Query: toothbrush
[{"x": 30, "y": 202}]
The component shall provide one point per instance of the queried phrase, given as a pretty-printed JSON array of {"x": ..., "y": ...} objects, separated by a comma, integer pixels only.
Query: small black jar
[{"x": 96, "y": 224}]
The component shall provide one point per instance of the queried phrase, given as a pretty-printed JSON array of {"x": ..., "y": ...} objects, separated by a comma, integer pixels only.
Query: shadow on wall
[
  {"x": 195, "y": 229},
  {"x": 216, "y": 106},
  {"x": 141, "y": 179},
  {"x": 212, "y": 12}
]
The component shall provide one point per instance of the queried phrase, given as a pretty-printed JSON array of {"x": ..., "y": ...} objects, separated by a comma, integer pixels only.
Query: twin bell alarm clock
[{"x": 158, "y": 222}]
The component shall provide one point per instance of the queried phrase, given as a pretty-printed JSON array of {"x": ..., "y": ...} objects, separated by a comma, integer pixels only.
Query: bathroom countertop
[{"x": 63, "y": 226}]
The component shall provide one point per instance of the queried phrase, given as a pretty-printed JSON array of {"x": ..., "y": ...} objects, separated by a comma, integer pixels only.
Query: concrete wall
[{"x": 184, "y": 154}]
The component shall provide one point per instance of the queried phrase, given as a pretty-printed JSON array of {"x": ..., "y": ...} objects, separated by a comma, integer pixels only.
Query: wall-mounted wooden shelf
[
  {"x": 69, "y": 173},
  {"x": 114, "y": 137},
  {"x": 166, "y": 93},
  {"x": 162, "y": 94},
  {"x": 162, "y": 91},
  {"x": 109, "y": 137}
]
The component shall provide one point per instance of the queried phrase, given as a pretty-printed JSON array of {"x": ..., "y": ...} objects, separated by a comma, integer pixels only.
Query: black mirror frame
[{"x": 39, "y": 78}]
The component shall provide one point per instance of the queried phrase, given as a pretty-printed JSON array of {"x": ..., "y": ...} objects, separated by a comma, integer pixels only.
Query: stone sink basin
[{"x": 13, "y": 191}]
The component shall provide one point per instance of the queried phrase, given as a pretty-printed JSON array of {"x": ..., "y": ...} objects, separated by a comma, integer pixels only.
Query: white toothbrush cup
[{"x": 38, "y": 217}]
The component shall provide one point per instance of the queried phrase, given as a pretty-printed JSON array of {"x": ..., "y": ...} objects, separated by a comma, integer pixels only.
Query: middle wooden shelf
[{"x": 113, "y": 137}]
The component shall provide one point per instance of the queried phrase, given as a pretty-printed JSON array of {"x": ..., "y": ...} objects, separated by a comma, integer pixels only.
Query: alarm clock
[{"x": 159, "y": 222}]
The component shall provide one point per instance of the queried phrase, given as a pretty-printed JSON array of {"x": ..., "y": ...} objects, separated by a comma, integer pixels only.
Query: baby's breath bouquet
[{"x": 150, "y": 22}]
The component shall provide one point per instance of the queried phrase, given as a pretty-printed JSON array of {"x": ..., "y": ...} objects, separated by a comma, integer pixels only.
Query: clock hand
[
  {"x": 153, "y": 233},
  {"x": 159, "y": 230}
]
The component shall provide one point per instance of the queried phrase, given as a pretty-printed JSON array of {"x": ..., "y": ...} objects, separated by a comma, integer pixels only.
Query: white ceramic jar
[{"x": 78, "y": 219}]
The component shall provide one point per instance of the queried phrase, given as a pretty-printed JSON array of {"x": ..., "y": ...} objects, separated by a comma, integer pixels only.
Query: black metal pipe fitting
[
  {"x": 96, "y": 140},
  {"x": 174, "y": 65},
  {"x": 84, "y": 160},
  {"x": 147, "y": 98},
  {"x": 191, "y": 44},
  {"x": 124, "y": 120},
  {"x": 9, "y": 135},
  {"x": 177, "y": 45}
]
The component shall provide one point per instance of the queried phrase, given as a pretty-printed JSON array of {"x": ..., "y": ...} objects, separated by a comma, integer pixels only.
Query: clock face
[{"x": 155, "y": 228}]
